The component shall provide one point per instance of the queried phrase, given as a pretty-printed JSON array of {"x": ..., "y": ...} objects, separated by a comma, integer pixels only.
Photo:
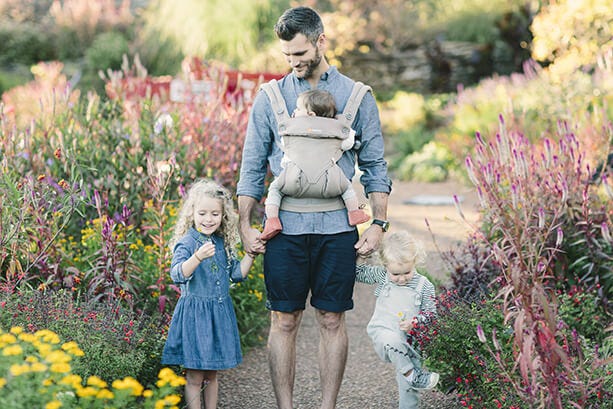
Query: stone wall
[{"x": 439, "y": 66}]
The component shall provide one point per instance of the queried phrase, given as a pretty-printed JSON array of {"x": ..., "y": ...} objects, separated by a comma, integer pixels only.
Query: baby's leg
[
  {"x": 355, "y": 214},
  {"x": 272, "y": 227}
]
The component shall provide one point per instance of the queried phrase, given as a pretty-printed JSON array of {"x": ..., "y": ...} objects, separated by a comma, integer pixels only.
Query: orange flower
[
  {"x": 63, "y": 184},
  {"x": 58, "y": 153},
  {"x": 40, "y": 177}
]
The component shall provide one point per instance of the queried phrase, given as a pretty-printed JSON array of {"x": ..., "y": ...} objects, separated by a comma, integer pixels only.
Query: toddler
[{"x": 404, "y": 298}]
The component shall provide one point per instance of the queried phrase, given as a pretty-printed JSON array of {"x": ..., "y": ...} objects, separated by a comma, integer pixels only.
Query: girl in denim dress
[{"x": 203, "y": 334}]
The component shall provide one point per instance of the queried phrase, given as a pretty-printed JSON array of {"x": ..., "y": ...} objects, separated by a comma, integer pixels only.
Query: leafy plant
[
  {"x": 528, "y": 196},
  {"x": 40, "y": 361}
]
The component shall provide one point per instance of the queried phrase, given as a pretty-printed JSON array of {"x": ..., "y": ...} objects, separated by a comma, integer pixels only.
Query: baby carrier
[{"x": 313, "y": 181}]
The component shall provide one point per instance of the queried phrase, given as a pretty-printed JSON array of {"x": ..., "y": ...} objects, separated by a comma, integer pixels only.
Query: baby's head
[
  {"x": 315, "y": 102},
  {"x": 401, "y": 253}
]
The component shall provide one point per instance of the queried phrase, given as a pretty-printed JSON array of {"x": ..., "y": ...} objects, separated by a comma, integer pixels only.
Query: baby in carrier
[{"x": 308, "y": 139}]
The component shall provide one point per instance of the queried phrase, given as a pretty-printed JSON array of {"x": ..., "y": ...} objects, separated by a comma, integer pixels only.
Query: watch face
[{"x": 383, "y": 223}]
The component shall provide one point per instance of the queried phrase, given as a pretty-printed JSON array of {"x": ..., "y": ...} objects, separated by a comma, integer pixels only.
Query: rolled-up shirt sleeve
[
  {"x": 180, "y": 253},
  {"x": 236, "y": 276},
  {"x": 370, "y": 154},
  {"x": 256, "y": 149}
]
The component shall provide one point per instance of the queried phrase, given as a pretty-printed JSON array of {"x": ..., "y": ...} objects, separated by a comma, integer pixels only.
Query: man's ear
[{"x": 322, "y": 42}]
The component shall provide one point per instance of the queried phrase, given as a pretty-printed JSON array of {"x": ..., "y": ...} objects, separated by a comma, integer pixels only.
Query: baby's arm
[{"x": 349, "y": 142}]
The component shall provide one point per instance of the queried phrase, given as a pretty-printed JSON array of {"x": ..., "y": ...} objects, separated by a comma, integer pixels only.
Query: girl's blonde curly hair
[
  {"x": 228, "y": 229},
  {"x": 401, "y": 246}
]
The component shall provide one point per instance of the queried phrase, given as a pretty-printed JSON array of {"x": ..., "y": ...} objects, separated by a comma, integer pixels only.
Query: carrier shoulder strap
[
  {"x": 353, "y": 103},
  {"x": 276, "y": 100},
  {"x": 280, "y": 108}
]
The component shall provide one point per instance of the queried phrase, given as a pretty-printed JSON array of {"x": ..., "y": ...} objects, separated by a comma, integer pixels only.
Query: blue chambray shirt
[{"x": 261, "y": 149}]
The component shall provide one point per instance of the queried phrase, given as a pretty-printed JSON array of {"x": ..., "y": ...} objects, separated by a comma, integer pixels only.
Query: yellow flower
[
  {"x": 7, "y": 339},
  {"x": 86, "y": 392},
  {"x": 54, "y": 404},
  {"x": 60, "y": 367},
  {"x": 48, "y": 336},
  {"x": 72, "y": 348},
  {"x": 12, "y": 350},
  {"x": 16, "y": 330},
  {"x": 38, "y": 367},
  {"x": 129, "y": 383},
  {"x": 27, "y": 337},
  {"x": 105, "y": 394},
  {"x": 96, "y": 381},
  {"x": 148, "y": 393},
  {"x": 72, "y": 380},
  {"x": 58, "y": 357},
  {"x": 2, "y": 382},
  {"x": 17, "y": 369}
]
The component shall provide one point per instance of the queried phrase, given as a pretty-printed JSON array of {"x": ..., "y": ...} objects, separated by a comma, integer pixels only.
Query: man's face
[{"x": 302, "y": 55}]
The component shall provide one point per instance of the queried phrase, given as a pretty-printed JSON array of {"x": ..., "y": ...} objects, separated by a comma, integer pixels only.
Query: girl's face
[
  {"x": 400, "y": 272},
  {"x": 208, "y": 212}
]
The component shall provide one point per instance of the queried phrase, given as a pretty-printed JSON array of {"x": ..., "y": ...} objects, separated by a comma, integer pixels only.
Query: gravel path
[{"x": 368, "y": 382}]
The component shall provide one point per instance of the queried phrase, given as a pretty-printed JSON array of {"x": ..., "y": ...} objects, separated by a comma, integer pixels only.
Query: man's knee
[
  {"x": 330, "y": 321},
  {"x": 286, "y": 322}
]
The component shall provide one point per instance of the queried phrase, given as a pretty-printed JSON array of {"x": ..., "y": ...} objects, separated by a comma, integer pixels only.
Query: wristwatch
[{"x": 384, "y": 224}]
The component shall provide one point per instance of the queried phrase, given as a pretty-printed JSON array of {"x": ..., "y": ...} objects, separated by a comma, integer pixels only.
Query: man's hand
[
  {"x": 369, "y": 240},
  {"x": 250, "y": 236},
  {"x": 252, "y": 243}
]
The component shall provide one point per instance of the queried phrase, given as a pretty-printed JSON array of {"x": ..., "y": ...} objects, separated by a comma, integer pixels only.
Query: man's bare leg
[
  {"x": 333, "y": 345},
  {"x": 282, "y": 354}
]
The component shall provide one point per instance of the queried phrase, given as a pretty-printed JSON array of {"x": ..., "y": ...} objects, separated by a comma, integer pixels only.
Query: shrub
[
  {"x": 452, "y": 348},
  {"x": 531, "y": 198},
  {"x": 40, "y": 362},
  {"x": 117, "y": 341}
]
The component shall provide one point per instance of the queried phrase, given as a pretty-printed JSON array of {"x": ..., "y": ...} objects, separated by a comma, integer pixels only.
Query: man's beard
[{"x": 311, "y": 66}]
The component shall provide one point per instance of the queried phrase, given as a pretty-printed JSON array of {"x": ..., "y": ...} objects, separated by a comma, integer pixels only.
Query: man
[{"x": 316, "y": 250}]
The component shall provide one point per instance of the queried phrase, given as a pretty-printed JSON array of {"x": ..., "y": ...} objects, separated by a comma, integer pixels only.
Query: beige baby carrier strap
[{"x": 313, "y": 182}]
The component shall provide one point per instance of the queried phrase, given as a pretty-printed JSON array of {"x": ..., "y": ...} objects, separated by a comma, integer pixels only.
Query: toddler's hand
[
  {"x": 205, "y": 251},
  {"x": 405, "y": 325}
]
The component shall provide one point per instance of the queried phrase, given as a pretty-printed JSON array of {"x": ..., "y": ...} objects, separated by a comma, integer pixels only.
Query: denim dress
[{"x": 203, "y": 333}]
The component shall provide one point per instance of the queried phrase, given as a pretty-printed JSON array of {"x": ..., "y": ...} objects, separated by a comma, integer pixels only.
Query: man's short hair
[{"x": 299, "y": 20}]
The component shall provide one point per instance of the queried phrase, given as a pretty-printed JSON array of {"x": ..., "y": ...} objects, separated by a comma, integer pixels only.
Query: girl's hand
[{"x": 205, "y": 251}]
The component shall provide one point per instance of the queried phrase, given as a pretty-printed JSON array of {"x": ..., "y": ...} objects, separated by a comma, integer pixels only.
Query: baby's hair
[
  {"x": 320, "y": 102},
  {"x": 401, "y": 246},
  {"x": 228, "y": 229}
]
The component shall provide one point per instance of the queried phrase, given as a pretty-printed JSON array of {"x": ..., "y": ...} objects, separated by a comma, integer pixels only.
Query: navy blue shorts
[{"x": 323, "y": 264}]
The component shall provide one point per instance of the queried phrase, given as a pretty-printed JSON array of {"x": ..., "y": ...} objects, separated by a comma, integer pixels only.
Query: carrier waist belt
[{"x": 311, "y": 205}]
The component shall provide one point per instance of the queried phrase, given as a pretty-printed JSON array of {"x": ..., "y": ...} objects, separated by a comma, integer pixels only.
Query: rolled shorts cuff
[
  {"x": 285, "y": 306},
  {"x": 332, "y": 306}
]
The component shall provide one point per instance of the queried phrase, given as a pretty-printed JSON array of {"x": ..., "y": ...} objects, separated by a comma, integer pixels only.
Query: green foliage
[
  {"x": 25, "y": 43},
  {"x": 453, "y": 349},
  {"x": 229, "y": 31},
  {"x": 40, "y": 361},
  {"x": 117, "y": 342},
  {"x": 107, "y": 51},
  {"x": 430, "y": 164}
]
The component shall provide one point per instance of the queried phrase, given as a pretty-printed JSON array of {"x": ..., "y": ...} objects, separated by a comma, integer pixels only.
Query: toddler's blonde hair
[
  {"x": 228, "y": 229},
  {"x": 401, "y": 246}
]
